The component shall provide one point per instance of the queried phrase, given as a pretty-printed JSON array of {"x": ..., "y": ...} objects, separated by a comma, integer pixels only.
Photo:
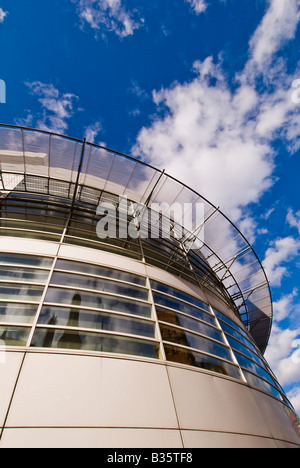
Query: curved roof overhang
[{"x": 215, "y": 240}]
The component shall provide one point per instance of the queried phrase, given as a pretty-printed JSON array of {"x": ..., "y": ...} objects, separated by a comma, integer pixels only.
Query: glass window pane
[
  {"x": 183, "y": 338},
  {"x": 94, "y": 270},
  {"x": 69, "y": 339},
  {"x": 17, "y": 313},
  {"x": 14, "y": 336},
  {"x": 191, "y": 358},
  {"x": 262, "y": 384},
  {"x": 184, "y": 308},
  {"x": 26, "y": 260},
  {"x": 92, "y": 319},
  {"x": 236, "y": 345},
  {"x": 29, "y": 235},
  {"x": 24, "y": 274},
  {"x": 230, "y": 322},
  {"x": 251, "y": 366},
  {"x": 189, "y": 323},
  {"x": 20, "y": 292},
  {"x": 86, "y": 282},
  {"x": 98, "y": 301},
  {"x": 8, "y": 223},
  {"x": 179, "y": 294},
  {"x": 230, "y": 331}
]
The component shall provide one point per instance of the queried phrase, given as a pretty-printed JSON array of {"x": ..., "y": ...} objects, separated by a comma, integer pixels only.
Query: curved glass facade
[
  {"x": 63, "y": 304},
  {"x": 65, "y": 290}
]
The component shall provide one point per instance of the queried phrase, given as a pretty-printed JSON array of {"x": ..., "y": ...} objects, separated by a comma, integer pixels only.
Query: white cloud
[
  {"x": 282, "y": 251},
  {"x": 92, "y": 131},
  {"x": 281, "y": 355},
  {"x": 3, "y": 15},
  {"x": 199, "y": 6},
  {"x": 293, "y": 219},
  {"x": 56, "y": 108},
  {"x": 278, "y": 26},
  {"x": 208, "y": 141},
  {"x": 294, "y": 397},
  {"x": 284, "y": 306},
  {"x": 109, "y": 16},
  {"x": 219, "y": 140}
]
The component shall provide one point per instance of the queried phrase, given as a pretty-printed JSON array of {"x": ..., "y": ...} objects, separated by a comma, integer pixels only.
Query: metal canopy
[{"x": 25, "y": 151}]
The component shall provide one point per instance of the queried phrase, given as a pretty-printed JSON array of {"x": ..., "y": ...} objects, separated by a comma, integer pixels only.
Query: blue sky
[{"x": 202, "y": 88}]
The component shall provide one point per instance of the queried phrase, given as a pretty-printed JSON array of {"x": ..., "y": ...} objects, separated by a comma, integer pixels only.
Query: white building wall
[{"x": 65, "y": 400}]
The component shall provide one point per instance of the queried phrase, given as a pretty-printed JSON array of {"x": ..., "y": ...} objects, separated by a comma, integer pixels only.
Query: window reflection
[
  {"x": 17, "y": 313},
  {"x": 95, "y": 270},
  {"x": 176, "y": 335},
  {"x": 98, "y": 320},
  {"x": 96, "y": 342},
  {"x": 20, "y": 292},
  {"x": 192, "y": 358},
  {"x": 74, "y": 341},
  {"x": 189, "y": 323},
  {"x": 24, "y": 274},
  {"x": 98, "y": 301},
  {"x": 14, "y": 336},
  {"x": 90, "y": 282},
  {"x": 18, "y": 259},
  {"x": 170, "y": 303},
  {"x": 179, "y": 294}
]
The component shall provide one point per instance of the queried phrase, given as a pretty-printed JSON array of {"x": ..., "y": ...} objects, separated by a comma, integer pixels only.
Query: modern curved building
[{"x": 133, "y": 313}]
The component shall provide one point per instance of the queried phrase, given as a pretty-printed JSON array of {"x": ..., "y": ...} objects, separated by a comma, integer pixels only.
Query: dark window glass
[
  {"x": 236, "y": 345},
  {"x": 251, "y": 366},
  {"x": 99, "y": 321},
  {"x": 194, "y": 325},
  {"x": 262, "y": 384},
  {"x": 23, "y": 274},
  {"x": 175, "y": 335},
  {"x": 230, "y": 331},
  {"x": 179, "y": 294},
  {"x": 26, "y": 260},
  {"x": 230, "y": 322},
  {"x": 98, "y": 301},
  {"x": 14, "y": 336},
  {"x": 191, "y": 358},
  {"x": 95, "y": 270},
  {"x": 165, "y": 301},
  {"x": 20, "y": 292},
  {"x": 70, "y": 339},
  {"x": 100, "y": 285}
]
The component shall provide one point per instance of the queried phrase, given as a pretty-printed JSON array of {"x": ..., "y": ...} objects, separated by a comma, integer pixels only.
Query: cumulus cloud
[
  {"x": 206, "y": 127},
  {"x": 284, "y": 306},
  {"x": 278, "y": 26},
  {"x": 281, "y": 354},
  {"x": 293, "y": 219},
  {"x": 109, "y": 16},
  {"x": 3, "y": 15},
  {"x": 217, "y": 136},
  {"x": 92, "y": 131},
  {"x": 281, "y": 252},
  {"x": 56, "y": 108},
  {"x": 199, "y": 6},
  {"x": 294, "y": 396}
]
